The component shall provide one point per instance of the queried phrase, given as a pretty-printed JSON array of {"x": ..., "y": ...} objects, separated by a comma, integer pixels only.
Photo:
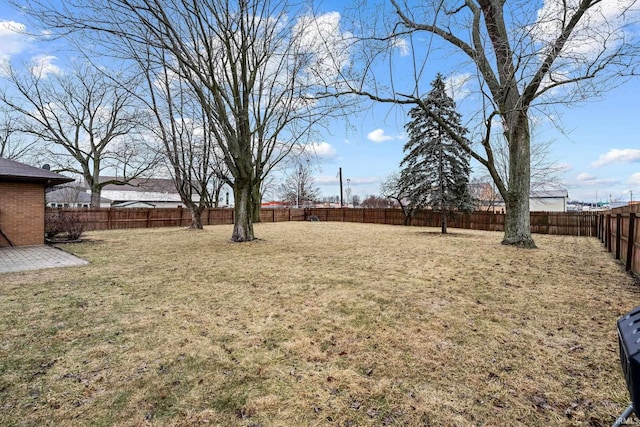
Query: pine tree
[{"x": 435, "y": 170}]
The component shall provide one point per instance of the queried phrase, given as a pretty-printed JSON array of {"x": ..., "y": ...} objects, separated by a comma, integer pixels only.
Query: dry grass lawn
[{"x": 316, "y": 324}]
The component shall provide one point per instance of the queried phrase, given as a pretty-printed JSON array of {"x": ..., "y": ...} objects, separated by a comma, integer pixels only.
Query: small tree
[
  {"x": 435, "y": 169},
  {"x": 376, "y": 202},
  {"x": 298, "y": 187},
  {"x": 398, "y": 193}
]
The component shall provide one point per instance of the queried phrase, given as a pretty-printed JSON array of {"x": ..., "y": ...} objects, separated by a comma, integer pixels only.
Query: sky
[{"x": 596, "y": 143}]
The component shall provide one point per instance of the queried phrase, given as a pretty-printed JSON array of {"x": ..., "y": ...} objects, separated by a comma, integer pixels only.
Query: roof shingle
[{"x": 12, "y": 171}]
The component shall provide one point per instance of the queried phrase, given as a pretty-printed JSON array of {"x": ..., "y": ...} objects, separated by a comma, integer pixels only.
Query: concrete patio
[{"x": 23, "y": 258}]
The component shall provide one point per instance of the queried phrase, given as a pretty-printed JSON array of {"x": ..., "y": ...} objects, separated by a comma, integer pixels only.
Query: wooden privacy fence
[
  {"x": 122, "y": 218},
  {"x": 558, "y": 223},
  {"x": 618, "y": 231}
]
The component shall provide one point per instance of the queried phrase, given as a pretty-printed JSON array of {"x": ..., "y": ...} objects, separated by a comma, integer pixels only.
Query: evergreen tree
[{"x": 435, "y": 170}]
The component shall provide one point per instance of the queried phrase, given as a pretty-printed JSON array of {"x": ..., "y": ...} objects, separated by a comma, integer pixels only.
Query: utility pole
[{"x": 341, "y": 199}]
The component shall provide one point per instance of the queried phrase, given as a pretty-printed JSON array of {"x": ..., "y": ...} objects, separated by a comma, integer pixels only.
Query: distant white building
[
  {"x": 72, "y": 197},
  {"x": 146, "y": 192},
  {"x": 139, "y": 193},
  {"x": 548, "y": 201}
]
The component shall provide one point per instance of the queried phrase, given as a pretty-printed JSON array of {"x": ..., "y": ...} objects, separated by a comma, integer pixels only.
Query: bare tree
[
  {"x": 84, "y": 122},
  {"x": 12, "y": 144},
  {"x": 252, "y": 67},
  {"x": 545, "y": 170},
  {"x": 398, "y": 191},
  {"x": 182, "y": 127},
  {"x": 525, "y": 56},
  {"x": 483, "y": 193},
  {"x": 298, "y": 187},
  {"x": 376, "y": 202}
]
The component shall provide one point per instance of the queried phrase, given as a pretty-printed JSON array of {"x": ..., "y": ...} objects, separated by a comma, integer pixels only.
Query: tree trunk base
[
  {"x": 240, "y": 239},
  {"x": 520, "y": 242}
]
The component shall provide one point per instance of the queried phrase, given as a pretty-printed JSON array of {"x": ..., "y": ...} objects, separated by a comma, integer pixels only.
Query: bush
[
  {"x": 68, "y": 227},
  {"x": 52, "y": 225}
]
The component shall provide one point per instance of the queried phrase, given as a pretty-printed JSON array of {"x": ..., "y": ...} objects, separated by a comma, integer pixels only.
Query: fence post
[
  {"x": 630, "y": 241},
  {"x": 618, "y": 234},
  {"x": 598, "y": 224},
  {"x": 148, "y": 218},
  {"x": 608, "y": 232}
]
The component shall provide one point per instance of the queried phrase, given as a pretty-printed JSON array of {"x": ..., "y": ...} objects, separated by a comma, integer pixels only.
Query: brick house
[{"x": 22, "y": 202}]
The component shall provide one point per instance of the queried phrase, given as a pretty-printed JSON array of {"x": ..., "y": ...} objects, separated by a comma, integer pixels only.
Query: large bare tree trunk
[
  {"x": 196, "y": 215},
  {"x": 257, "y": 203},
  {"x": 517, "y": 230},
  {"x": 243, "y": 213},
  {"x": 95, "y": 196}
]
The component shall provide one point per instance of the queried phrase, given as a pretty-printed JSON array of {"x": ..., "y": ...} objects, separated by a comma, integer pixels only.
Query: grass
[{"x": 316, "y": 324}]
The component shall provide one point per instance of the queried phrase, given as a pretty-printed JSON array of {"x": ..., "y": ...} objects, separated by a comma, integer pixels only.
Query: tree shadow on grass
[{"x": 448, "y": 234}]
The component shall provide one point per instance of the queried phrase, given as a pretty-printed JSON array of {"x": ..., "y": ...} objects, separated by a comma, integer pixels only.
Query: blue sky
[{"x": 599, "y": 149}]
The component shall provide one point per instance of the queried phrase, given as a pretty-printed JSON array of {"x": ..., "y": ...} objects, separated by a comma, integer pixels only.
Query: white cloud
[
  {"x": 400, "y": 44},
  {"x": 378, "y": 136},
  {"x": 601, "y": 28},
  {"x": 635, "y": 179},
  {"x": 327, "y": 45},
  {"x": 323, "y": 150},
  {"x": 354, "y": 182},
  {"x": 42, "y": 65},
  {"x": 13, "y": 39},
  {"x": 616, "y": 155},
  {"x": 587, "y": 179},
  {"x": 458, "y": 86},
  {"x": 564, "y": 167},
  {"x": 326, "y": 180},
  {"x": 364, "y": 180}
]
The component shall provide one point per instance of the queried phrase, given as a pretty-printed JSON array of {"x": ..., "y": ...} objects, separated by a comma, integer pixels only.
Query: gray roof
[
  {"x": 71, "y": 195},
  {"x": 544, "y": 194},
  {"x": 12, "y": 171},
  {"x": 159, "y": 185}
]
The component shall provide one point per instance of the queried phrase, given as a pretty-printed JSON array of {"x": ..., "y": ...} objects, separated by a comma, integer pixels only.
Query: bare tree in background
[
  {"x": 252, "y": 65},
  {"x": 298, "y": 187},
  {"x": 83, "y": 123},
  {"x": 393, "y": 188},
  {"x": 483, "y": 193},
  {"x": 376, "y": 202},
  {"x": 525, "y": 55},
  {"x": 12, "y": 143},
  {"x": 545, "y": 171},
  {"x": 187, "y": 145}
]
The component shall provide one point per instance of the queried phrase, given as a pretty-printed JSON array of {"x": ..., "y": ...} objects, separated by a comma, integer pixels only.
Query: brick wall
[{"x": 22, "y": 213}]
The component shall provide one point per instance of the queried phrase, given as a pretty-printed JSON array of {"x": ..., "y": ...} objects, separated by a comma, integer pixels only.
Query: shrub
[
  {"x": 52, "y": 225},
  {"x": 69, "y": 226},
  {"x": 73, "y": 227}
]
